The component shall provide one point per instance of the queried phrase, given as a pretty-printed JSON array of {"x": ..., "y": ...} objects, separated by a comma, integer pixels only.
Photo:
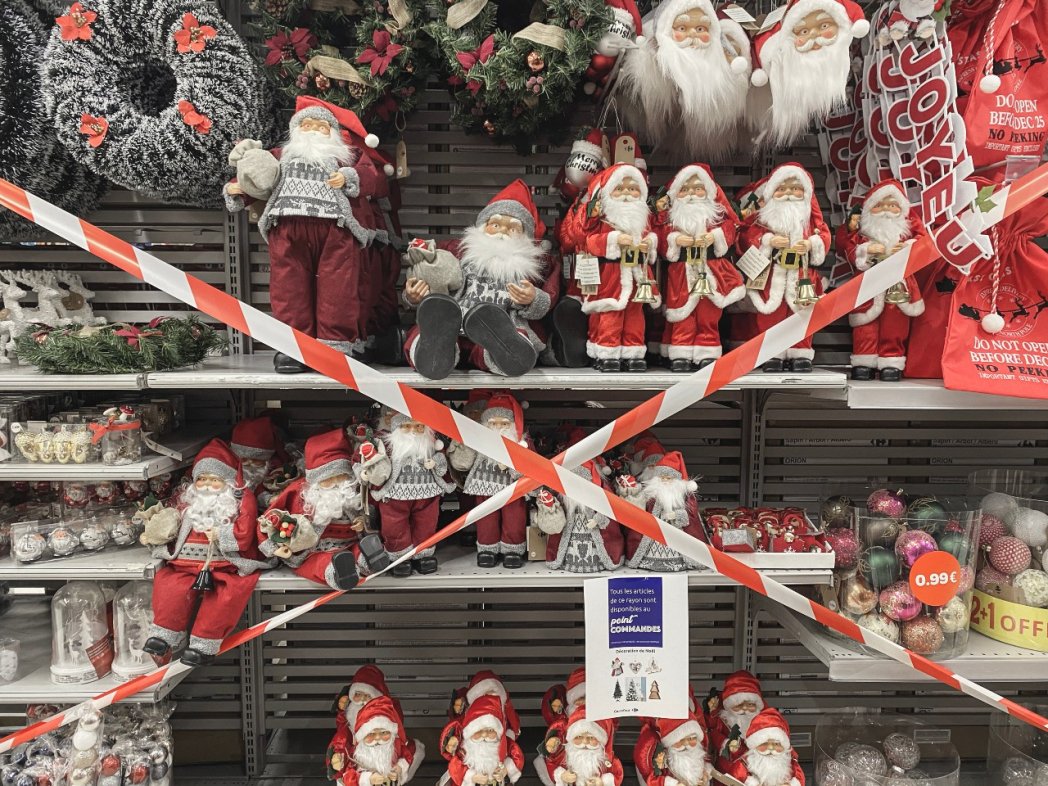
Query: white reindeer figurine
[
  {"x": 47, "y": 297},
  {"x": 76, "y": 306},
  {"x": 12, "y": 317}
]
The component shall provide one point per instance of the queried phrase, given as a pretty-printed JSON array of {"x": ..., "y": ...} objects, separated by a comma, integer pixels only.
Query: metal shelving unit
[
  {"x": 19, "y": 378},
  {"x": 911, "y": 394},
  {"x": 113, "y": 565}
]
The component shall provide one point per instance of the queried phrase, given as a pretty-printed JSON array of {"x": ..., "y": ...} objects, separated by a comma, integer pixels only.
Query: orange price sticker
[{"x": 935, "y": 578}]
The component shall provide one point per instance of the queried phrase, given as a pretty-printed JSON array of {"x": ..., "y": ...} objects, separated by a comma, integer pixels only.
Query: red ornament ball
[
  {"x": 990, "y": 529},
  {"x": 110, "y": 764},
  {"x": 922, "y": 635},
  {"x": 846, "y": 548},
  {"x": 139, "y": 772},
  {"x": 883, "y": 502},
  {"x": 990, "y": 580},
  {"x": 1009, "y": 555},
  {"x": 898, "y": 602}
]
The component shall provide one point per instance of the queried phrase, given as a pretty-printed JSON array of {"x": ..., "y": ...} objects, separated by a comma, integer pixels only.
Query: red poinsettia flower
[
  {"x": 284, "y": 47},
  {"x": 132, "y": 335},
  {"x": 193, "y": 36},
  {"x": 381, "y": 52},
  {"x": 479, "y": 55},
  {"x": 94, "y": 128},
  {"x": 474, "y": 86},
  {"x": 76, "y": 24},
  {"x": 192, "y": 118}
]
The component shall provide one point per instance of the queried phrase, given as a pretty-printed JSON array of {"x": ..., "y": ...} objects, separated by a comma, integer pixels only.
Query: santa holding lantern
[
  {"x": 881, "y": 328},
  {"x": 791, "y": 237},
  {"x": 695, "y": 235},
  {"x": 586, "y": 756}
]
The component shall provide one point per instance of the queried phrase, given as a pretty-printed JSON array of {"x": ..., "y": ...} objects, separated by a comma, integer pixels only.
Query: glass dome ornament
[
  {"x": 132, "y": 616},
  {"x": 81, "y": 650}
]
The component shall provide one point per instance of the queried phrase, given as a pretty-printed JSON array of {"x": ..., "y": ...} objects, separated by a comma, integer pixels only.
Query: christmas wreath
[
  {"x": 153, "y": 94},
  {"x": 515, "y": 68},
  {"x": 370, "y": 58},
  {"x": 164, "y": 343}
]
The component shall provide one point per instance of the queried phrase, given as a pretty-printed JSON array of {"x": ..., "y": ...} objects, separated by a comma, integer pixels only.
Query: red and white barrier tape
[{"x": 539, "y": 470}]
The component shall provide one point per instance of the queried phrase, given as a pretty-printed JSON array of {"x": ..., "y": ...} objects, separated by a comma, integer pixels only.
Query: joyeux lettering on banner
[{"x": 637, "y": 647}]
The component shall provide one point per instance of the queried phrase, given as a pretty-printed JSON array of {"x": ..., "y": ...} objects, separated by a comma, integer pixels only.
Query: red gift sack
[
  {"x": 1013, "y": 361},
  {"x": 937, "y": 283}
]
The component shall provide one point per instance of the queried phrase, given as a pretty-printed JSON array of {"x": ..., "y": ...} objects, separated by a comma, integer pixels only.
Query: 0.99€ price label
[{"x": 935, "y": 578}]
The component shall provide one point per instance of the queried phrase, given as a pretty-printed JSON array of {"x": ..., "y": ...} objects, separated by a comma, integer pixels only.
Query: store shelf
[
  {"x": 256, "y": 371},
  {"x": 930, "y": 394},
  {"x": 985, "y": 660},
  {"x": 458, "y": 570},
  {"x": 30, "y": 622},
  {"x": 114, "y": 565},
  {"x": 18, "y": 378}
]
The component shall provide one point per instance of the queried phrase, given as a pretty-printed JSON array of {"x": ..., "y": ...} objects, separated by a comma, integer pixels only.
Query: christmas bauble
[
  {"x": 990, "y": 580},
  {"x": 29, "y": 547},
  {"x": 920, "y": 778},
  {"x": 953, "y": 617},
  {"x": 858, "y": 597},
  {"x": 94, "y": 538},
  {"x": 84, "y": 739},
  {"x": 1033, "y": 587},
  {"x": 110, "y": 764},
  {"x": 898, "y": 602},
  {"x": 1003, "y": 506},
  {"x": 63, "y": 541},
  {"x": 881, "y": 625},
  {"x": 890, "y": 504},
  {"x": 957, "y": 544},
  {"x": 901, "y": 751},
  {"x": 1031, "y": 527},
  {"x": 1017, "y": 769},
  {"x": 158, "y": 772},
  {"x": 1009, "y": 555},
  {"x": 927, "y": 514},
  {"x": 85, "y": 758},
  {"x": 844, "y": 749},
  {"x": 123, "y": 533},
  {"x": 880, "y": 567},
  {"x": 912, "y": 545},
  {"x": 832, "y": 773},
  {"x": 139, "y": 772},
  {"x": 864, "y": 760},
  {"x": 836, "y": 512},
  {"x": 880, "y": 531},
  {"x": 990, "y": 528},
  {"x": 967, "y": 579},
  {"x": 922, "y": 635},
  {"x": 846, "y": 548}
]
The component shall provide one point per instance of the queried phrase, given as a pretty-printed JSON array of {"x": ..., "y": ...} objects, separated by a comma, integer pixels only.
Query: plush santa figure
[
  {"x": 315, "y": 525},
  {"x": 625, "y": 24},
  {"x": 561, "y": 700},
  {"x": 790, "y": 232},
  {"x": 484, "y": 754},
  {"x": 210, "y": 561},
  {"x": 381, "y": 752},
  {"x": 697, "y": 231},
  {"x": 881, "y": 328},
  {"x": 740, "y": 701},
  {"x": 583, "y": 540},
  {"x": 368, "y": 683},
  {"x": 669, "y": 496},
  {"x": 769, "y": 760},
  {"x": 408, "y": 485},
  {"x": 662, "y": 97},
  {"x": 256, "y": 444},
  {"x": 587, "y": 756},
  {"x": 805, "y": 59},
  {"x": 318, "y": 278},
  {"x": 617, "y": 233},
  {"x": 673, "y": 752},
  {"x": 503, "y": 269},
  {"x": 645, "y": 452}
]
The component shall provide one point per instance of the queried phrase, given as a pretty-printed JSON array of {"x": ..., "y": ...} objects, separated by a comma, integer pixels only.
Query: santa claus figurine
[
  {"x": 695, "y": 235},
  {"x": 670, "y": 752},
  {"x": 486, "y": 321},
  {"x": 645, "y": 452},
  {"x": 586, "y": 756},
  {"x": 770, "y": 760},
  {"x": 581, "y": 540},
  {"x": 255, "y": 442},
  {"x": 316, "y": 525},
  {"x": 790, "y": 234},
  {"x": 740, "y": 701},
  {"x": 484, "y": 754},
  {"x": 488, "y": 683},
  {"x": 318, "y": 280},
  {"x": 561, "y": 699},
  {"x": 617, "y": 232},
  {"x": 805, "y": 59},
  {"x": 408, "y": 484},
  {"x": 368, "y": 683},
  {"x": 881, "y": 328},
  {"x": 381, "y": 753},
  {"x": 210, "y": 560},
  {"x": 669, "y": 496}
]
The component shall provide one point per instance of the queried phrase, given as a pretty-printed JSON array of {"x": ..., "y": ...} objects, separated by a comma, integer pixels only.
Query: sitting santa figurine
[
  {"x": 770, "y": 760},
  {"x": 695, "y": 234},
  {"x": 740, "y": 701},
  {"x": 789, "y": 233},
  {"x": 670, "y": 496},
  {"x": 503, "y": 269},
  {"x": 408, "y": 485},
  {"x": 581, "y": 540},
  {"x": 881, "y": 328},
  {"x": 256, "y": 443},
  {"x": 671, "y": 752},
  {"x": 586, "y": 755},
  {"x": 484, "y": 755},
  {"x": 381, "y": 754}
]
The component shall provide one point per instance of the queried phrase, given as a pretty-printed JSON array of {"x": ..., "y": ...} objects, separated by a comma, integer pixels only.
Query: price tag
[
  {"x": 753, "y": 263},
  {"x": 935, "y": 578},
  {"x": 587, "y": 270}
]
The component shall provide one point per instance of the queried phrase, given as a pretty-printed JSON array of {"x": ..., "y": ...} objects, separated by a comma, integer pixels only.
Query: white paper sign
[
  {"x": 753, "y": 262},
  {"x": 587, "y": 269},
  {"x": 637, "y": 647}
]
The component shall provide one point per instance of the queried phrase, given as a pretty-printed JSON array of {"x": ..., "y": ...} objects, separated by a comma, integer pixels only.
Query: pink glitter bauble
[
  {"x": 883, "y": 502},
  {"x": 967, "y": 579},
  {"x": 1009, "y": 555},
  {"x": 990, "y": 529},
  {"x": 922, "y": 635},
  {"x": 911, "y": 546},
  {"x": 990, "y": 580},
  {"x": 846, "y": 548},
  {"x": 898, "y": 602}
]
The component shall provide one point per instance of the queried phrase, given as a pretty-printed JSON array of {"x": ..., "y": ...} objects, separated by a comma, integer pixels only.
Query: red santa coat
[
  {"x": 335, "y": 536},
  {"x": 741, "y": 772},
  {"x": 725, "y": 280},
  {"x": 617, "y": 281},
  {"x": 855, "y": 246},
  {"x": 610, "y": 772}
]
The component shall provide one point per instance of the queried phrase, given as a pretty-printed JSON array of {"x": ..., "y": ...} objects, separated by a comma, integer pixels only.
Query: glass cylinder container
[
  {"x": 9, "y": 650},
  {"x": 132, "y": 616},
  {"x": 1017, "y": 752},
  {"x": 122, "y": 440},
  {"x": 81, "y": 650}
]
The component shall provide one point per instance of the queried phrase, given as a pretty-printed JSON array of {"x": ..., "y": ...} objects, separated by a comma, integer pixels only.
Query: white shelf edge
[
  {"x": 17, "y": 378},
  {"x": 929, "y": 394},
  {"x": 126, "y": 564}
]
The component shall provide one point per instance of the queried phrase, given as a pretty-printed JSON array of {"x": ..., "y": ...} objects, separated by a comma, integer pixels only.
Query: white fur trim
[
  {"x": 682, "y": 731},
  {"x": 483, "y": 722},
  {"x": 375, "y": 724},
  {"x": 818, "y": 250},
  {"x": 578, "y": 692},
  {"x": 738, "y": 698},
  {"x": 613, "y": 304},
  {"x": 780, "y": 281},
  {"x": 632, "y": 353},
  {"x": 887, "y": 190},
  {"x": 759, "y": 77},
  {"x": 867, "y": 361},
  {"x": 720, "y": 244},
  {"x": 703, "y": 352},
  {"x": 667, "y": 11},
  {"x": 912, "y": 309},
  {"x": 752, "y": 780},
  {"x": 363, "y": 687},
  {"x": 862, "y": 256},
  {"x": 793, "y": 353},
  {"x": 859, "y": 29},
  {"x": 758, "y": 738},
  {"x": 585, "y": 726},
  {"x": 558, "y": 776},
  {"x": 587, "y": 148},
  {"x": 674, "y": 352},
  {"x": 470, "y": 774},
  {"x": 765, "y": 246},
  {"x": 600, "y": 352},
  {"x": 785, "y": 172},
  {"x": 416, "y": 760},
  {"x": 486, "y": 686},
  {"x": 833, "y": 8},
  {"x": 898, "y": 362},
  {"x": 512, "y": 770},
  {"x": 612, "y": 249},
  {"x": 860, "y": 318},
  {"x": 670, "y": 781},
  {"x": 718, "y": 299},
  {"x": 672, "y": 249},
  {"x": 688, "y": 172},
  {"x": 624, "y": 171},
  {"x": 607, "y": 779}
]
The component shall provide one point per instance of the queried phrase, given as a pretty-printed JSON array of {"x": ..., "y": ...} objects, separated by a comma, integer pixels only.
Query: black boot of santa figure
[
  {"x": 568, "y": 335},
  {"x": 439, "y": 320},
  {"x": 491, "y": 327},
  {"x": 861, "y": 373}
]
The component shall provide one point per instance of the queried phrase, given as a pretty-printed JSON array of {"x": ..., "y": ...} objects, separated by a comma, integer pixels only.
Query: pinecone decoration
[{"x": 279, "y": 9}]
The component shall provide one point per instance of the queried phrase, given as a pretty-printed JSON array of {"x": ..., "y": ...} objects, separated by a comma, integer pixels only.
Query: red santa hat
[
  {"x": 254, "y": 438},
  {"x": 671, "y": 730},
  {"x": 672, "y": 466},
  {"x": 217, "y": 458},
  {"x": 342, "y": 119},
  {"x": 739, "y": 687},
  {"x": 736, "y": 43},
  {"x": 614, "y": 175},
  {"x": 483, "y": 683},
  {"x": 379, "y": 714},
  {"x": 784, "y": 172},
  {"x": 883, "y": 190},
  {"x": 504, "y": 405},
  {"x": 369, "y": 679},
  {"x": 575, "y": 687},
  {"x": 768, "y": 725},
  {"x": 327, "y": 455},
  {"x": 705, "y": 175},
  {"x": 485, "y": 712},
  {"x": 647, "y": 449},
  {"x": 579, "y": 724},
  {"x": 514, "y": 201}
]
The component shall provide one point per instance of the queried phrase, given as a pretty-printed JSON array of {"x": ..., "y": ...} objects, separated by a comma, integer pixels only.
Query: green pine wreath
[
  {"x": 370, "y": 57},
  {"x": 514, "y": 68}
]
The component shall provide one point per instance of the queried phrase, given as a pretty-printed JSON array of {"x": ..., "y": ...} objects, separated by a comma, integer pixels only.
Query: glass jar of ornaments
[
  {"x": 1011, "y": 585},
  {"x": 862, "y": 746},
  {"x": 1017, "y": 754},
  {"x": 905, "y": 567},
  {"x": 81, "y": 650}
]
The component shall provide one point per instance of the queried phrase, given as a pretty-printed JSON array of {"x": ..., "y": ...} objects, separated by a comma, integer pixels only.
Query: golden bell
[
  {"x": 644, "y": 293},
  {"x": 806, "y": 293},
  {"x": 897, "y": 293},
  {"x": 701, "y": 288}
]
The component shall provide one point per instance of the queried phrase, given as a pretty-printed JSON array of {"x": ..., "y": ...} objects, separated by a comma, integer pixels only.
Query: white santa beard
[
  {"x": 695, "y": 217},
  {"x": 732, "y": 718},
  {"x": 374, "y": 758},
  {"x": 789, "y": 217},
  {"x": 351, "y": 713},
  {"x": 482, "y": 755},
  {"x": 627, "y": 215},
  {"x": 315, "y": 148},
  {"x": 687, "y": 765},
  {"x": 884, "y": 228},
  {"x": 668, "y": 495},
  {"x": 409, "y": 446},
  {"x": 584, "y": 762},
  {"x": 806, "y": 85},
  {"x": 509, "y": 432},
  {"x": 505, "y": 259},
  {"x": 775, "y": 769},
  {"x": 707, "y": 89},
  {"x": 651, "y": 101},
  {"x": 324, "y": 505},
  {"x": 207, "y": 509},
  {"x": 253, "y": 475}
]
